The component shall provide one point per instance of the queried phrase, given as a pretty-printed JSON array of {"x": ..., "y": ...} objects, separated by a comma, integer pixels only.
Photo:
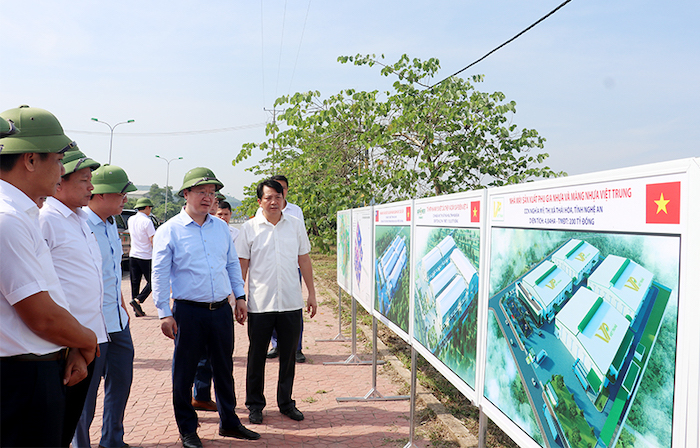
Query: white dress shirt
[
  {"x": 273, "y": 252},
  {"x": 141, "y": 229},
  {"x": 26, "y": 268},
  {"x": 78, "y": 262}
]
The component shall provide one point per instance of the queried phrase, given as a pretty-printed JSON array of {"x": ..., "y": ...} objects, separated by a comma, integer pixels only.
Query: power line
[
  {"x": 262, "y": 52},
  {"x": 299, "y": 49},
  {"x": 173, "y": 134},
  {"x": 503, "y": 44},
  {"x": 279, "y": 61}
]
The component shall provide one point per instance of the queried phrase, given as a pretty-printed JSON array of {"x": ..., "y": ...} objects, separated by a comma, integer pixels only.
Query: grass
[{"x": 456, "y": 403}]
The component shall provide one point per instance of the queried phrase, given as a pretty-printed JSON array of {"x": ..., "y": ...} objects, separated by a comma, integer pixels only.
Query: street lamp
[
  {"x": 167, "y": 180},
  {"x": 111, "y": 134}
]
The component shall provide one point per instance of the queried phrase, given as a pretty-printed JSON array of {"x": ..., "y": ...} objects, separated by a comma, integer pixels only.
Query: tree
[{"x": 358, "y": 148}]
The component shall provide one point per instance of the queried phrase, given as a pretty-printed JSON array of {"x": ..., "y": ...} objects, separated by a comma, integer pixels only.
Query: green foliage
[{"x": 359, "y": 148}]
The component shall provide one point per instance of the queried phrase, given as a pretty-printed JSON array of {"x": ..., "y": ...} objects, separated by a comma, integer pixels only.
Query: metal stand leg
[
  {"x": 411, "y": 430},
  {"x": 483, "y": 427},
  {"x": 353, "y": 360},
  {"x": 338, "y": 337},
  {"x": 374, "y": 394}
]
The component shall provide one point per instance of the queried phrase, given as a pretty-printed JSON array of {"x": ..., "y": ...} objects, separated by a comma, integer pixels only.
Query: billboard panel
[
  {"x": 344, "y": 250},
  {"x": 392, "y": 268},
  {"x": 446, "y": 264},
  {"x": 361, "y": 233},
  {"x": 584, "y": 285}
]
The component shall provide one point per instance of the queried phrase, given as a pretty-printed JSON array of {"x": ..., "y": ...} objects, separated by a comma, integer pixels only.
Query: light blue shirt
[
  {"x": 107, "y": 237},
  {"x": 197, "y": 263}
]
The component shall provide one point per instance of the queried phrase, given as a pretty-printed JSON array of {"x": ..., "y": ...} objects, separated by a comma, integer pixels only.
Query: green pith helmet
[
  {"x": 75, "y": 160},
  {"x": 7, "y": 128},
  {"x": 39, "y": 129},
  {"x": 220, "y": 197},
  {"x": 143, "y": 202},
  {"x": 199, "y": 176},
  {"x": 111, "y": 179}
]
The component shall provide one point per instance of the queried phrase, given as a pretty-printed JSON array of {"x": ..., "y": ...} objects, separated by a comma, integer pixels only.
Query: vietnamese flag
[
  {"x": 475, "y": 211},
  {"x": 408, "y": 214},
  {"x": 663, "y": 203}
]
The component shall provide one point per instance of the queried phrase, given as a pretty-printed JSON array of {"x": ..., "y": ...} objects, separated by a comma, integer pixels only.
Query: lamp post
[
  {"x": 167, "y": 180},
  {"x": 111, "y": 133}
]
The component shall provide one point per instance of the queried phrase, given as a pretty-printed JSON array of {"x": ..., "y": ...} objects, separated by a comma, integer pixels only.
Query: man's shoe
[
  {"x": 255, "y": 417},
  {"x": 300, "y": 356},
  {"x": 191, "y": 440},
  {"x": 273, "y": 353},
  {"x": 138, "y": 311},
  {"x": 294, "y": 414},
  {"x": 204, "y": 405},
  {"x": 241, "y": 432}
]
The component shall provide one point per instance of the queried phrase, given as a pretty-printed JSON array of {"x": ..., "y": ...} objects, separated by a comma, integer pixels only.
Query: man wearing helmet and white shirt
[
  {"x": 141, "y": 230},
  {"x": 78, "y": 262},
  {"x": 111, "y": 185},
  {"x": 194, "y": 257},
  {"x": 35, "y": 320}
]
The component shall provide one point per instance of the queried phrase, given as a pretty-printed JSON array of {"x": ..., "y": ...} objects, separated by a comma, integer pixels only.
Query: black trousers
[
  {"x": 33, "y": 402},
  {"x": 260, "y": 326},
  {"x": 137, "y": 268},
  {"x": 75, "y": 401},
  {"x": 201, "y": 331}
]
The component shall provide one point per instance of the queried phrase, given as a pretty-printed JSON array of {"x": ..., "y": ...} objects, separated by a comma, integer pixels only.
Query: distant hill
[{"x": 230, "y": 199}]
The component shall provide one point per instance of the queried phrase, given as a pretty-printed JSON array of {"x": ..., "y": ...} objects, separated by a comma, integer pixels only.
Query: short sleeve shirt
[
  {"x": 141, "y": 229},
  {"x": 26, "y": 269},
  {"x": 273, "y": 252}
]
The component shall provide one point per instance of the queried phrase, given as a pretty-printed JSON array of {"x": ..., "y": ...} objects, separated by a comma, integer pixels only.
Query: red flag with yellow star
[
  {"x": 664, "y": 203},
  {"x": 475, "y": 211}
]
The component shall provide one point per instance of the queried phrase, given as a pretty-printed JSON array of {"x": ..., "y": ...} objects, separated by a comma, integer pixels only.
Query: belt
[
  {"x": 55, "y": 356},
  {"x": 208, "y": 305}
]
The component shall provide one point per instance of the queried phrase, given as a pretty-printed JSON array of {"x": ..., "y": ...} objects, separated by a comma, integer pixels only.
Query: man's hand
[
  {"x": 241, "y": 311},
  {"x": 311, "y": 305},
  {"x": 168, "y": 326},
  {"x": 76, "y": 368},
  {"x": 88, "y": 354}
]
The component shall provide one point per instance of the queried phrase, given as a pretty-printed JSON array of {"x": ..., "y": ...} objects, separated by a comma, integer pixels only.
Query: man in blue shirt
[
  {"x": 116, "y": 362},
  {"x": 194, "y": 257}
]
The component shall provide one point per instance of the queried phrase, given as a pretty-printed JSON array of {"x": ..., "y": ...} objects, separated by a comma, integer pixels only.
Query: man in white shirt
[
  {"x": 76, "y": 257},
  {"x": 272, "y": 247},
  {"x": 35, "y": 320},
  {"x": 290, "y": 210},
  {"x": 223, "y": 212},
  {"x": 141, "y": 230}
]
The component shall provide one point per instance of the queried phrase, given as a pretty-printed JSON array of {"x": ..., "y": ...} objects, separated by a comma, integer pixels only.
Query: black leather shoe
[
  {"x": 300, "y": 357},
  {"x": 239, "y": 433},
  {"x": 138, "y": 311},
  {"x": 273, "y": 353},
  {"x": 191, "y": 440},
  {"x": 255, "y": 417},
  {"x": 294, "y": 414}
]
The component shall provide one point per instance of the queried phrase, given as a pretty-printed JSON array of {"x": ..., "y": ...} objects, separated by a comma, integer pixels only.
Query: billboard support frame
[
  {"x": 353, "y": 359},
  {"x": 340, "y": 337},
  {"x": 373, "y": 394}
]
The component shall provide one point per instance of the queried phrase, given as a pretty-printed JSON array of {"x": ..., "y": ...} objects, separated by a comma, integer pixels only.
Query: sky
[{"x": 607, "y": 84}]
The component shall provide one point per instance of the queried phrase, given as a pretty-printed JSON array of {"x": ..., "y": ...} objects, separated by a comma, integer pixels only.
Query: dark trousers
[
  {"x": 138, "y": 268},
  {"x": 202, "y": 380},
  {"x": 301, "y": 333},
  {"x": 75, "y": 401},
  {"x": 198, "y": 330},
  {"x": 260, "y": 326},
  {"x": 32, "y": 393},
  {"x": 116, "y": 365}
]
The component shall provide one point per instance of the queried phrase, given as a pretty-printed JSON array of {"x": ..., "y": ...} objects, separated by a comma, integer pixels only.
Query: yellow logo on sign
[
  {"x": 581, "y": 256},
  {"x": 605, "y": 330},
  {"x": 552, "y": 284},
  {"x": 632, "y": 284}
]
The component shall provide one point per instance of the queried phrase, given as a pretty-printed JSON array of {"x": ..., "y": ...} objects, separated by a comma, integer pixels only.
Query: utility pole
[{"x": 274, "y": 132}]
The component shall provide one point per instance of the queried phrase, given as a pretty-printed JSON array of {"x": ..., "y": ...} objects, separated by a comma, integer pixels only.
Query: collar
[
  {"x": 59, "y": 206},
  {"x": 19, "y": 198}
]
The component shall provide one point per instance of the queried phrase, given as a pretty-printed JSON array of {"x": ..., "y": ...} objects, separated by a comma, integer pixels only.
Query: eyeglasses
[{"x": 203, "y": 193}]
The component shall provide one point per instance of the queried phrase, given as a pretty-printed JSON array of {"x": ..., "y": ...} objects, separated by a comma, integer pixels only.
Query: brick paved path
[{"x": 149, "y": 420}]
